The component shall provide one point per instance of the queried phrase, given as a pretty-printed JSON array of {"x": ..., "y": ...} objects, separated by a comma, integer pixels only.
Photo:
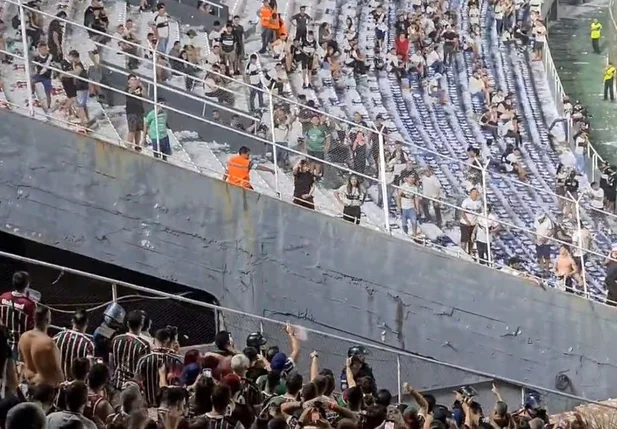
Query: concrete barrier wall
[{"x": 267, "y": 257}]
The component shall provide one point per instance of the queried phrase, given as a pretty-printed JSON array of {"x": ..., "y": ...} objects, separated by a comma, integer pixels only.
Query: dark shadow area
[{"x": 65, "y": 292}]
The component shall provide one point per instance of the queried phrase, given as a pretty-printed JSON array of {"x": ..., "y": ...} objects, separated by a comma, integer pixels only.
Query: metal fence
[
  {"x": 364, "y": 157},
  {"x": 59, "y": 287}
]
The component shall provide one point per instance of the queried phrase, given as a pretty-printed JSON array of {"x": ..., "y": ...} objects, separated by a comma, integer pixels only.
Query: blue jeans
[
  {"x": 479, "y": 96},
  {"x": 408, "y": 215},
  {"x": 162, "y": 46},
  {"x": 162, "y": 146},
  {"x": 580, "y": 162}
]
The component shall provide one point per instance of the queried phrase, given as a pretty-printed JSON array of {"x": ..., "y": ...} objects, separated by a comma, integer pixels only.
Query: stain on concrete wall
[{"x": 267, "y": 257}]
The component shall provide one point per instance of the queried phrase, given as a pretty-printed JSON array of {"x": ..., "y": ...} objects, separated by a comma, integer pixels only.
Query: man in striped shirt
[
  {"x": 74, "y": 343},
  {"x": 148, "y": 366},
  {"x": 127, "y": 349},
  {"x": 17, "y": 309}
]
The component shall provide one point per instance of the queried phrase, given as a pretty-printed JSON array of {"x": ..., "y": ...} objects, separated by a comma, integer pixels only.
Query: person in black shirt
[
  {"x": 304, "y": 185},
  {"x": 42, "y": 74},
  {"x": 81, "y": 88},
  {"x": 228, "y": 49},
  {"x": 54, "y": 37},
  {"x": 308, "y": 46},
  {"x": 238, "y": 31},
  {"x": 68, "y": 84},
  {"x": 135, "y": 111},
  {"x": 450, "y": 45},
  {"x": 301, "y": 21}
]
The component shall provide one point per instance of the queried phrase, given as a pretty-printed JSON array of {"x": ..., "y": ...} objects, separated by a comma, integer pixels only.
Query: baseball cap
[{"x": 278, "y": 362}]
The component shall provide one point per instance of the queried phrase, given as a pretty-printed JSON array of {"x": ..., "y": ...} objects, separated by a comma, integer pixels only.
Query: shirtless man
[
  {"x": 565, "y": 268},
  {"x": 39, "y": 352}
]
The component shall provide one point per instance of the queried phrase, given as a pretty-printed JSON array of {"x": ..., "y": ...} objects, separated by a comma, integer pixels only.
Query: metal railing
[
  {"x": 364, "y": 165},
  {"x": 391, "y": 366},
  {"x": 592, "y": 157}
]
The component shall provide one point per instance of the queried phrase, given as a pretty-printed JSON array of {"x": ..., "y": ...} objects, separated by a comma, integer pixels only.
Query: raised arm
[{"x": 295, "y": 344}]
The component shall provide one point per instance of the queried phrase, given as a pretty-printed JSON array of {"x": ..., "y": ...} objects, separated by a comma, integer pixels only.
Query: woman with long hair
[{"x": 351, "y": 196}]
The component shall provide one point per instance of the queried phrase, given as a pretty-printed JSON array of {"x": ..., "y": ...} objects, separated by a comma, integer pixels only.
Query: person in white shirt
[
  {"x": 580, "y": 148},
  {"x": 543, "y": 226},
  {"x": 434, "y": 60},
  {"x": 469, "y": 219},
  {"x": 596, "y": 196},
  {"x": 407, "y": 204},
  {"x": 474, "y": 15},
  {"x": 581, "y": 241},
  {"x": 431, "y": 188},
  {"x": 486, "y": 228},
  {"x": 253, "y": 75},
  {"x": 539, "y": 30},
  {"x": 161, "y": 27},
  {"x": 215, "y": 34},
  {"x": 477, "y": 89},
  {"x": 214, "y": 57}
]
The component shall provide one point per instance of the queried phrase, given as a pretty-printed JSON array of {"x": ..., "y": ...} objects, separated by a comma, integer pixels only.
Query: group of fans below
[{"x": 122, "y": 378}]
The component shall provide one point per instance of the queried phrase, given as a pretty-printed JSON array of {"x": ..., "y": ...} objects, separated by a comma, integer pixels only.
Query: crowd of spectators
[{"x": 124, "y": 378}]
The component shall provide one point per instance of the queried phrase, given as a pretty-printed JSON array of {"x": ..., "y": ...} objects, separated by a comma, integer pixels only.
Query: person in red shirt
[
  {"x": 17, "y": 309},
  {"x": 401, "y": 44}
]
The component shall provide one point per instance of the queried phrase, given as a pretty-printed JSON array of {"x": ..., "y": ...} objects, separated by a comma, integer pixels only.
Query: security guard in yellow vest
[
  {"x": 609, "y": 81},
  {"x": 596, "y": 29}
]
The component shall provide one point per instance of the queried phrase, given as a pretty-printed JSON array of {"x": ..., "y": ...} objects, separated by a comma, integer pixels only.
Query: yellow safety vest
[
  {"x": 609, "y": 73},
  {"x": 595, "y": 30}
]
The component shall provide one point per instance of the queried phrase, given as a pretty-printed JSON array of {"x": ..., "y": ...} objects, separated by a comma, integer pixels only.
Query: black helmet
[
  {"x": 256, "y": 339},
  {"x": 357, "y": 351}
]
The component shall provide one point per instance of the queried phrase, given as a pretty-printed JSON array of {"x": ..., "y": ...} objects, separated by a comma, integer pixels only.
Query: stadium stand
[
  {"x": 265, "y": 362},
  {"x": 435, "y": 115}
]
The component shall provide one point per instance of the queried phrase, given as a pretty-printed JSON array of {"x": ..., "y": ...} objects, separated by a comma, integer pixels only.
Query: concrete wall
[{"x": 267, "y": 257}]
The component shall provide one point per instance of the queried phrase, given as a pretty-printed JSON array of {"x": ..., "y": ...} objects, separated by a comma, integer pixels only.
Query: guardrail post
[
  {"x": 382, "y": 180},
  {"x": 114, "y": 292},
  {"x": 398, "y": 376},
  {"x": 156, "y": 147},
  {"x": 581, "y": 249},
  {"x": 487, "y": 225},
  {"x": 274, "y": 144},
  {"x": 24, "y": 40}
]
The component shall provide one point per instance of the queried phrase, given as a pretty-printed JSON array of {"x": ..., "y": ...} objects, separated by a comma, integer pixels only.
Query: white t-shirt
[
  {"x": 210, "y": 85},
  {"x": 511, "y": 159},
  {"x": 161, "y": 23},
  {"x": 214, "y": 36},
  {"x": 431, "y": 187},
  {"x": 581, "y": 144},
  {"x": 543, "y": 229},
  {"x": 481, "y": 235},
  {"x": 476, "y": 85},
  {"x": 474, "y": 16},
  {"x": 472, "y": 206},
  {"x": 432, "y": 57},
  {"x": 254, "y": 79},
  {"x": 597, "y": 198},
  {"x": 408, "y": 196},
  {"x": 581, "y": 238}
]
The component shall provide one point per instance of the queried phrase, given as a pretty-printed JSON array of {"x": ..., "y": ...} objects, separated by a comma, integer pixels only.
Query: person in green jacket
[{"x": 155, "y": 127}]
